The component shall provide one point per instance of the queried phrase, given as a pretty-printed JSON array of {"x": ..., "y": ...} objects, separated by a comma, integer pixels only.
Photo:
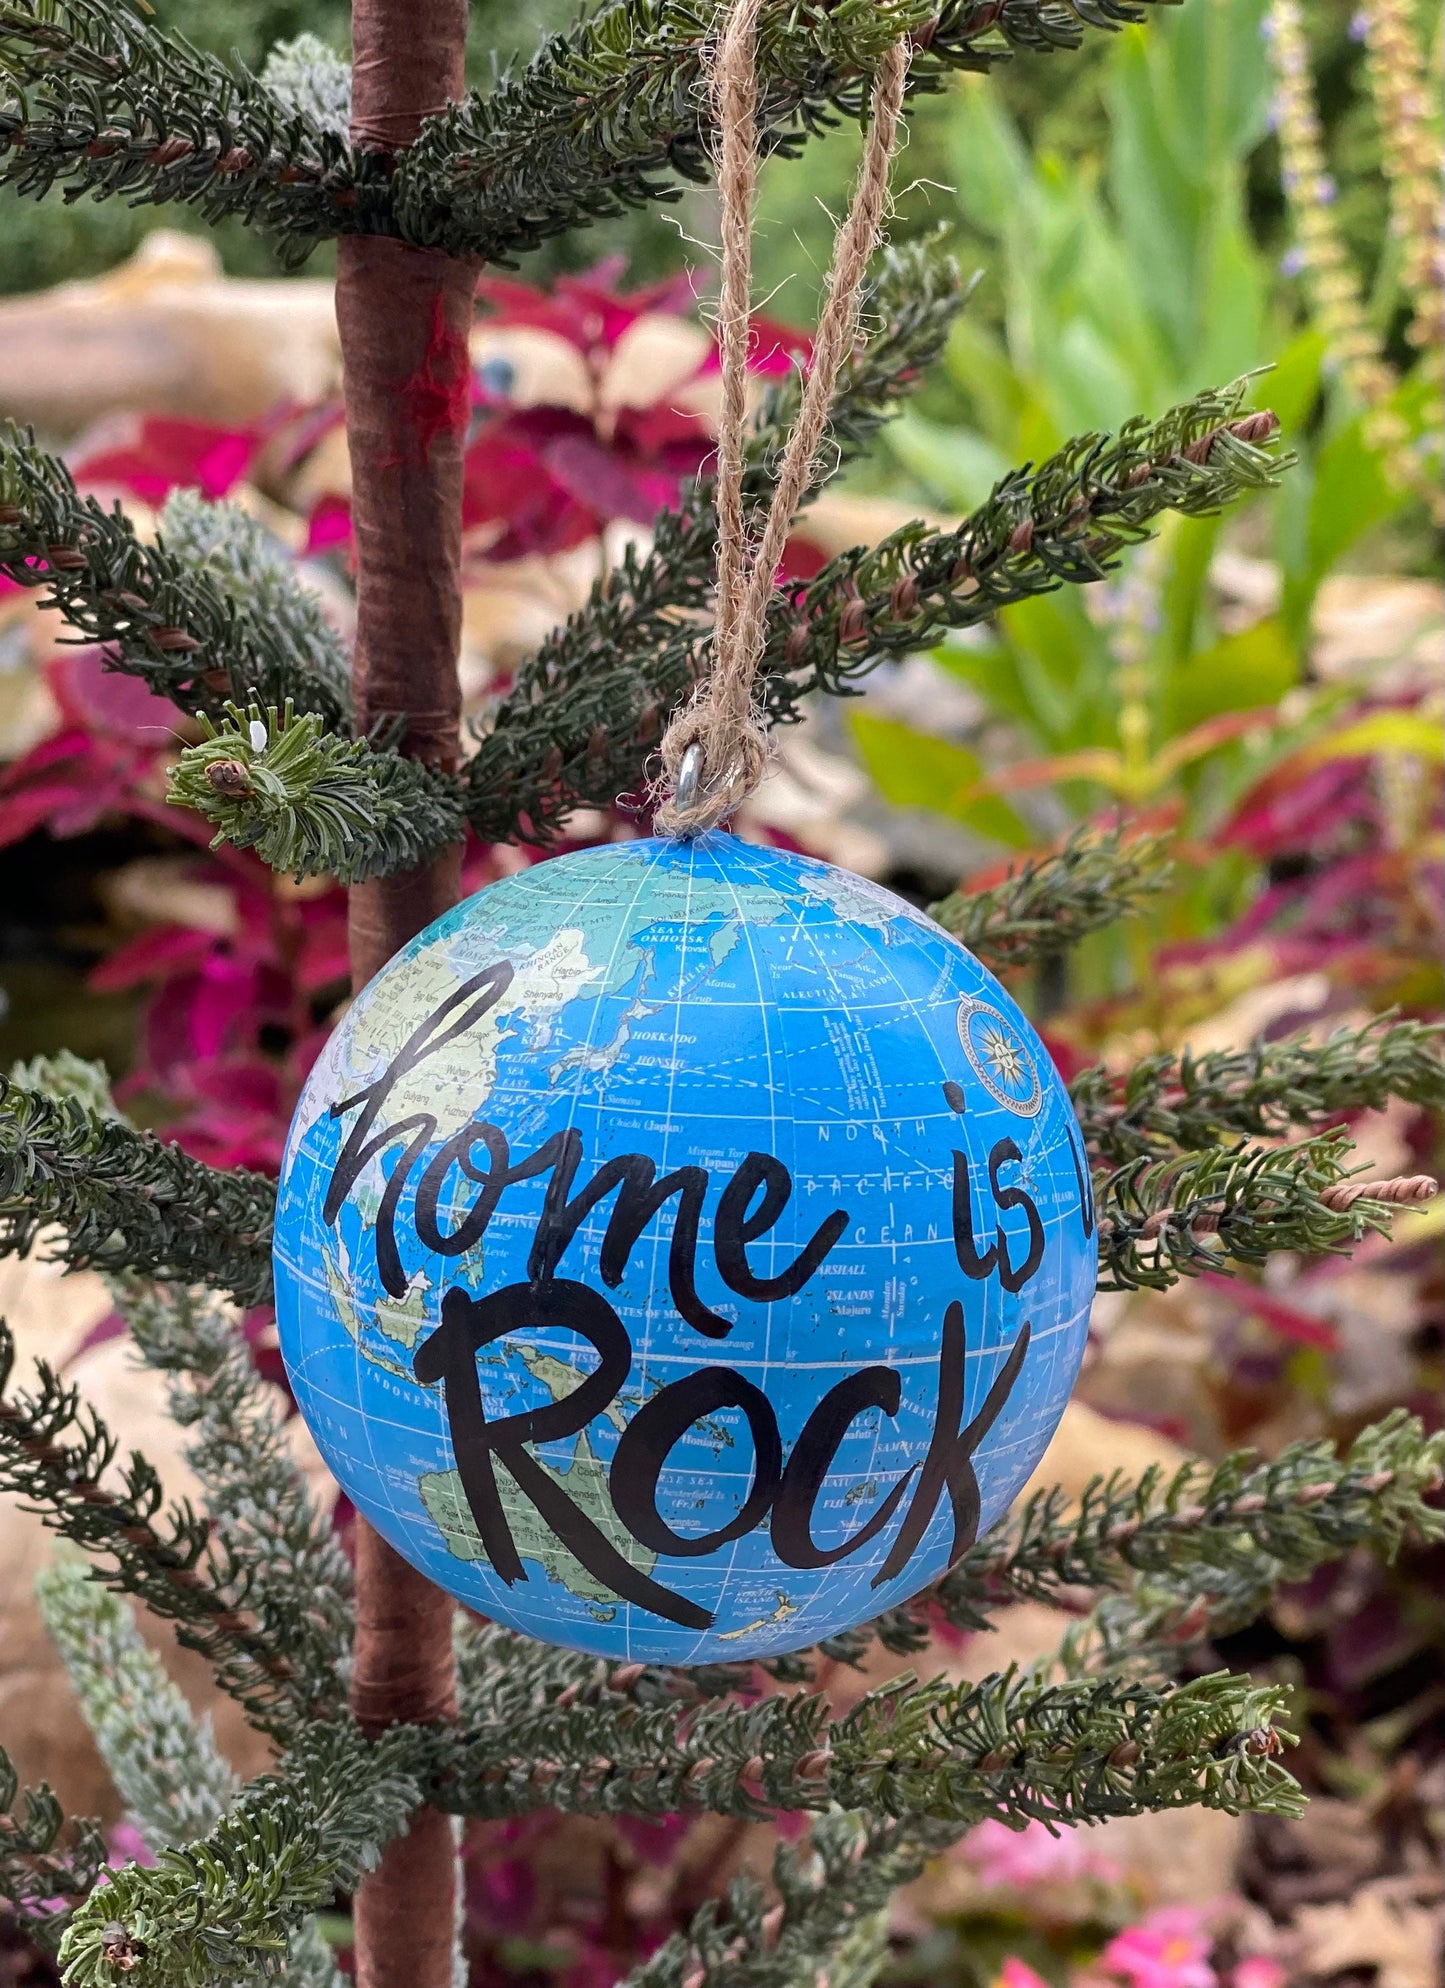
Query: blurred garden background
[{"x": 1254, "y": 705}]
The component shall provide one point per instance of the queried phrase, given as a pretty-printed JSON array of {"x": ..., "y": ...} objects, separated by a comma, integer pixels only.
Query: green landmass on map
[
  {"x": 336, "y": 1268},
  {"x": 561, "y": 1378},
  {"x": 585, "y": 1484}
]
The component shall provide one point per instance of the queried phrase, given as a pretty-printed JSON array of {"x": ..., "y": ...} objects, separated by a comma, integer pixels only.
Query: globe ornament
[{"x": 683, "y": 1250}]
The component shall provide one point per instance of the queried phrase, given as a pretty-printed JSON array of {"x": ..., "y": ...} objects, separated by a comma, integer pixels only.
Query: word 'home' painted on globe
[{"x": 783, "y": 1490}]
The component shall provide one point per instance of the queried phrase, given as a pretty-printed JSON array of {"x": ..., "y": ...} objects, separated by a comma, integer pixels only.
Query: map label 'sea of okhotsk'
[{"x": 684, "y": 1250}]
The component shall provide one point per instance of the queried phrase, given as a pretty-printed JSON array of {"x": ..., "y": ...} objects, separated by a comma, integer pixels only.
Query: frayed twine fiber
[{"x": 723, "y": 715}]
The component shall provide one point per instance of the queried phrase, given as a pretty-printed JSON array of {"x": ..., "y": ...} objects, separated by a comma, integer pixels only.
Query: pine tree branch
[
  {"x": 583, "y": 713},
  {"x": 1163, "y": 1219},
  {"x": 127, "y": 1200},
  {"x": 1051, "y": 902},
  {"x": 309, "y": 77},
  {"x": 224, "y": 1907},
  {"x": 270, "y": 1548},
  {"x": 1270, "y": 1522},
  {"x": 614, "y": 114},
  {"x": 209, "y": 613},
  {"x": 97, "y": 100},
  {"x": 38, "y": 1881},
  {"x": 1011, "y": 1746},
  {"x": 1015, "y": 1746},
  {"x": 517, "y": 1746},
  {"x": 1024, "y": 1746},
  {"x": 1233, "y": 1525},
  {"x": 57, "y": 1456},
  {"x": 829, "y": 1923},
  {"x": 1202, "y": 1551},
  {"x": 269, "y": 1551},
  {"x": 160, "y": 1755},
  {"x": 1062, "y": 523},
  {"x": 377, "y": 814},
  {"x": 1168, "y": 1103},
  {"x": 310, "y": 803},
  {"x": 575, "y": 728}
]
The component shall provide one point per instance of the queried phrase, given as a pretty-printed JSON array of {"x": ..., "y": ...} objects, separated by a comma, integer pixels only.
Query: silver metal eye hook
[{"x": 689, "y": 777}]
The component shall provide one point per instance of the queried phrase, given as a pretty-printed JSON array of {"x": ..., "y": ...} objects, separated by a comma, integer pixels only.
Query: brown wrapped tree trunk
[{"x": 403, "y": 315}]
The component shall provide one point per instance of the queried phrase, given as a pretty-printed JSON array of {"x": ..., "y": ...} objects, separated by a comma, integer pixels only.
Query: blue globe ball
[{"x": 683, "y": 1250}]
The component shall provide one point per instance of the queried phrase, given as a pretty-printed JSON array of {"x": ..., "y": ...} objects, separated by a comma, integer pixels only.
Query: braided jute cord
[{"x": 722, "y": 717}]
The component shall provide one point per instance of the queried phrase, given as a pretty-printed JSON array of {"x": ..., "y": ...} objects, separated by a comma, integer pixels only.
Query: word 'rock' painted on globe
[{"x": 684, "y": 1249}]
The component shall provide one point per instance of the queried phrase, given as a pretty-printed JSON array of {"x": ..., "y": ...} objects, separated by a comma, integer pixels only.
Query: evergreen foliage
[
  {"x": 577, "y": 724},
  {"x": 1017, "y": 1745},
  {"x": 37, "y": 1880},
  {"x": 1049, "y": 903},
  {"x": 215, "y": 615},
  {"x": 95, "y": 100},
  {"x": 610, "y": 116},
  {"x": 161, "y": 1757},
  {"x": 314, "y": 804},
  {"x": 311, "y": 79},
  {"x": 829, "y": 1917},
  {"x": 226, "y": 1906},
  {"x": 273, "y": 1551},
  {"x": 613, "y": 114},
  {"x": 1190, "y": 1171},
  {"x": 1166, "y": 1103},
  {"x": 1162, "y": 1219},
  {"x": 126, "y": 1200},
  {"x": 57, "y": 1455}
]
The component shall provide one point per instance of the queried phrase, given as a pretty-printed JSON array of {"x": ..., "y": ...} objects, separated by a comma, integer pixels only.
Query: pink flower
[
  {"x": 1169, "y": 1949},
  {"x": 1016, "y": 1973},
  {"x": 1020, "y": 1858},
  {"x": 1257, "y": 1970}
]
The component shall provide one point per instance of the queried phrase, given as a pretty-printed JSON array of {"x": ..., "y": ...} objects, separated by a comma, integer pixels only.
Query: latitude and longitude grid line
[
  {"x": 382, "y": 1476},
  {"x": 624, "y": 934},
  {"x": 799, "y": 906},
  {"x": 589, "y": 1229},
  {"x": 724, "y": 1575},
  {"x": 858, "y": 1578},
  {"x": 1058, "y": 1215}
]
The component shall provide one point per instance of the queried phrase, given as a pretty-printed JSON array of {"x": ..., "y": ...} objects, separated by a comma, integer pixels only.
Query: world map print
[{"x": 683, "y": 1250}]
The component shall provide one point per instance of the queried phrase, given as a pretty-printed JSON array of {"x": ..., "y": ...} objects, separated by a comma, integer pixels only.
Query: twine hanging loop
[{"x": 715, "y": 749}]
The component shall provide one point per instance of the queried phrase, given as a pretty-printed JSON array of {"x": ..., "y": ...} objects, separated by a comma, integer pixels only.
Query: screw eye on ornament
[{"x": 684, "y": 1248}]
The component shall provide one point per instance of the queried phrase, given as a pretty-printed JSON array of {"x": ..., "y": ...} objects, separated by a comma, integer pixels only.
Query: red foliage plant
[{"x": 588, "y": 406}]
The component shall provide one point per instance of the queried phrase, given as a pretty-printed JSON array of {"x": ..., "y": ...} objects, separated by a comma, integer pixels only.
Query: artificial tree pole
[{"x": 403, "y": 315}]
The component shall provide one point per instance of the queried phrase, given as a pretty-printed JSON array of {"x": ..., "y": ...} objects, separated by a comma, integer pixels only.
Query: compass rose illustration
[{"x": 1000, "y": 1058}]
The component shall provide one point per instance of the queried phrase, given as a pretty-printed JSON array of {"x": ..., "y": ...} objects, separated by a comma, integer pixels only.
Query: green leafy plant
[{"x": 1122, "y": 284}]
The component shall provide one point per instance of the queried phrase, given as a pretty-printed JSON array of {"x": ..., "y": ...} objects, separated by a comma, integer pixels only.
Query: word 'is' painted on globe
[{"x": 782, "y": 1493}]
